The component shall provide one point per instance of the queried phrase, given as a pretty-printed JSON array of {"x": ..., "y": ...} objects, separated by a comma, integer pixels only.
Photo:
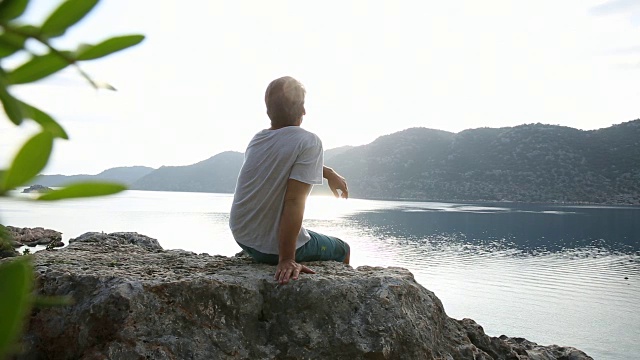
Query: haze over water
[{"x": 566, "y": 275}]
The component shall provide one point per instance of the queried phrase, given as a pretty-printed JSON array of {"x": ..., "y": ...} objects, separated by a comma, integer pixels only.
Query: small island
[{"x": 37, "y": 189}]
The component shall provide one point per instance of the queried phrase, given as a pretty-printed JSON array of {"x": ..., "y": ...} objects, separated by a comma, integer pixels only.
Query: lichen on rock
[{"x": 132, "y": 299}]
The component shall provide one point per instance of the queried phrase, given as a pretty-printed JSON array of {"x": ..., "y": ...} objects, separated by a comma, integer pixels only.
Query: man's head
[{"x": 285, "y": 102}]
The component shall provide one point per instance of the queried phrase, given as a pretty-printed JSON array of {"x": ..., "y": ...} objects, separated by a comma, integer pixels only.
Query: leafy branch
[
  {"x": 84, "y": 52},
  {"x": 16, "y": 276}
]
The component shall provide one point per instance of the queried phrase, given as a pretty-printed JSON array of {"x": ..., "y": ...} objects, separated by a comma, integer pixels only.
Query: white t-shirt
[{"x": 272, "y": 157}]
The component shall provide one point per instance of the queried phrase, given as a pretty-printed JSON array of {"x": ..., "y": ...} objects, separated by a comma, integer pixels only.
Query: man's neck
[{"x": 274, "y": 127}]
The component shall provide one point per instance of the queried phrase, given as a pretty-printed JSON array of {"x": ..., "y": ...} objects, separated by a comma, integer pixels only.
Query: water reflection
[{"x": 530, "y": 229}]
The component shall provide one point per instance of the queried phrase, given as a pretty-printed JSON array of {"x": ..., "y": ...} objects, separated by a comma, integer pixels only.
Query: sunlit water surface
[{"x": 567, "y": 275}]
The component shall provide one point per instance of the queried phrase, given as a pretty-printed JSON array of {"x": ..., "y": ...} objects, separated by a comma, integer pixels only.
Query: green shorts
[{"x": 319, "y": 248}]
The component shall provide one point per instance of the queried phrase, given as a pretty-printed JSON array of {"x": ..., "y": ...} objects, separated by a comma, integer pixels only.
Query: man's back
[{"x": 272, "y": 157}]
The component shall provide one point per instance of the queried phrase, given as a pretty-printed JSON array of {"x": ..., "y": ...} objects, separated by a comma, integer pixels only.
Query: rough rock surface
[
  {"x": 6, "y": 253},
  {"x": 35, "y": 236},
  {"x": 137, "y": 302}
]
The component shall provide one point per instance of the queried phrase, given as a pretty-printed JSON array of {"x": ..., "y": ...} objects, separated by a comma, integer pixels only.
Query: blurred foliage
[
  {"x": 16, "y": 275},
  {"x": 5, "y": 239}
]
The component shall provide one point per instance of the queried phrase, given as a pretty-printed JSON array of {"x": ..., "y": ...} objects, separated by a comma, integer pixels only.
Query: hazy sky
[{"x": 195, "y": 86}]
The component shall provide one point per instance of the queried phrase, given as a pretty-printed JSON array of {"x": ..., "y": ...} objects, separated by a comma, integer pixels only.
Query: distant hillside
[
  {"x": 529, "y": 163},
  {"x": 216, "y": 174},
  {"x": 328, "y": 154},
  {"x": 125, "y": 175}
]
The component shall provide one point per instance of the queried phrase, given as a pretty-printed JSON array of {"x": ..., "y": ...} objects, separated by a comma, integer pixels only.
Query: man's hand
[
  {"x": 336, "y": 182},
  {"x": 289, "y": 269}
]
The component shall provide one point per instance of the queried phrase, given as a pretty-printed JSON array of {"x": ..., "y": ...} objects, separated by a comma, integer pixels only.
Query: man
[{"x": 281, "y": 165}]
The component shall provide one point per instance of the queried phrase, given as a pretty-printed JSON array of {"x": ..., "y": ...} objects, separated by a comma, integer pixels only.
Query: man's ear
[{"x": 304, "y": 111}]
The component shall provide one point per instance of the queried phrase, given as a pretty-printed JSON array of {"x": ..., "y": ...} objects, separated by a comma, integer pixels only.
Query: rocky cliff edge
[{"x": 134, "y": 300}]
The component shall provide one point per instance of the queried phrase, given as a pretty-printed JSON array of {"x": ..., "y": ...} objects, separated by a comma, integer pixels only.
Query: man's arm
[
  {"x": 290, "y": 223},
  {"x": 336, "y": 182}
]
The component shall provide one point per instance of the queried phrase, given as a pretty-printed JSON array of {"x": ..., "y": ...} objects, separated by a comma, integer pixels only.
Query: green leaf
[
  {"x": 2, "y": 191},
  {"x": 66, "y": 15},
  {"x": 11, "y": 9},
  {"x": 45, "y": 120},
  {"x": 12, "y": 106},
  {"x": 107, "y": 47},
  {"x": 16, "y": 281},
  {"x": 84, "y": 189},
  {"x": 36, "y": 68},
  {"x": 5, "y": 239},
  {"x": 10, "y": 44},
  {"x": 31, "y": 159},
  {"x": 28, "y": 30},
  {"x": 4, "y": 233}
]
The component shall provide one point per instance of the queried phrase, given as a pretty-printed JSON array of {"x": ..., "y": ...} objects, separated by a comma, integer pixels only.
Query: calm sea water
[{"x": 567, "y": 275}]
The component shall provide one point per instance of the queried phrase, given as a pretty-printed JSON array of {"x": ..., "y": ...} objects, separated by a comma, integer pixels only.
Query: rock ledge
[
  {"x": 24, "y": 236},
  {"x": 134, "y": 300}
]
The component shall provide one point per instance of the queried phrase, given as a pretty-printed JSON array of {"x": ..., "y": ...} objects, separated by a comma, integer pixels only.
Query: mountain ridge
[
  {"x": 124, "y": 174},
  {"x": 524, "y": 163}
]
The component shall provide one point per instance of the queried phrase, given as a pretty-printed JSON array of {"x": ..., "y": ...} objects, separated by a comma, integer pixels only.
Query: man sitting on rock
[{"x": 281, "y": 165}]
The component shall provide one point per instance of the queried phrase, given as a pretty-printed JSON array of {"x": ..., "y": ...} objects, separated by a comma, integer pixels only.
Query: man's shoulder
[
  {"x": 286, "y": 140},
  {"x": 310, "y": 136},
  {"x": 299, "y": 130},
  {"x": 303, "y": 135}
]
